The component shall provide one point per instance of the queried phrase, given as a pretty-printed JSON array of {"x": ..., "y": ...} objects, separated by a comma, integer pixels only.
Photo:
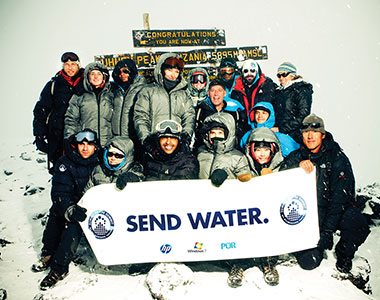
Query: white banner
[{"x": 191, "y": 220}]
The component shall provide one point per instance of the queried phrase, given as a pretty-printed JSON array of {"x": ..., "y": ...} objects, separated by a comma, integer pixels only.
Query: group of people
[{"x": 237, "y": 126}]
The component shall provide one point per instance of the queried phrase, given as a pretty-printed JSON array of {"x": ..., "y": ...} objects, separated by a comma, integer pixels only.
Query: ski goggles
[
  {"x": 168, "y": 126},
  {"x": 315, "y": 125},
  {"x": 201, "y": 78},
  {"x": 227, "y": 71},
  {"x": 89, "y": 136},
  {"x": 69, "y": 56},
  {"x": 279, "y": 75},
  {"x": 116, "y": 155}
]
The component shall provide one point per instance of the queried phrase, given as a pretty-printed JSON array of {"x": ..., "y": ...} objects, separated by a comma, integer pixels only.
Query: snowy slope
[{"x": 25, "y": 199}]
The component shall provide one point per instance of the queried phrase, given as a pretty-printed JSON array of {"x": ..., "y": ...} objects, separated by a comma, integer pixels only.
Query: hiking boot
[
  {"x": 42, "y": 264},
  {"x": 51, "y": 279},
  {"x": 271, "y": 276},
  {"x": 344, "y": 265},
  {"x": 235, "y": 277}
]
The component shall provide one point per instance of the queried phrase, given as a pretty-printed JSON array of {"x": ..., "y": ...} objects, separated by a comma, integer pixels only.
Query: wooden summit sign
[
  {"x": 176, "y": 38},
  {"x": 201, "y": 57}
]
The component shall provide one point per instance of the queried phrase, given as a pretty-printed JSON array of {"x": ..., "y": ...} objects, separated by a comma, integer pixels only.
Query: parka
[
  {"x": 154, "y": 104},
  {"x": 91, "y": 110},
  {"x": 222, "y": 155}
]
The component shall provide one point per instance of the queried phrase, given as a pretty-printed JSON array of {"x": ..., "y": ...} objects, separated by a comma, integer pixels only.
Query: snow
[
  {"x": 335, "y": 46},
  {"x": 25, "y": 200}
]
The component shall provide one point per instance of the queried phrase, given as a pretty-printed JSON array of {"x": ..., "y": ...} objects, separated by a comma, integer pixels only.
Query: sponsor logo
[
  {"x": 166, "y": 248},
  {"x": 101, "y": 224},
  {"x": 62, "y": 168},
  {"x": 228, "y": 245},
  {"x": 198, "y": 248},
  {"x": 293, "y": 210}
]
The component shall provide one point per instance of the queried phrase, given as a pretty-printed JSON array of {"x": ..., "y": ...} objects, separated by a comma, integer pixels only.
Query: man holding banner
[{"x": 335, "y": 194}]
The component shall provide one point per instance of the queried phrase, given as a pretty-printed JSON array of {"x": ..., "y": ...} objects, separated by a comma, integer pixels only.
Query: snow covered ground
[{"x": 24, "y": 201}]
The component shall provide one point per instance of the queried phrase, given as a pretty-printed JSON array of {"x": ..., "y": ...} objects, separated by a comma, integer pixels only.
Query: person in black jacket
[
  {"x": 335, "y": 196},
  {"x": 49, "y": 111},
  {"x": 169, "y": 159},
  {"x": 292, "y": 102},
  {"x": 63, "y": 232}
]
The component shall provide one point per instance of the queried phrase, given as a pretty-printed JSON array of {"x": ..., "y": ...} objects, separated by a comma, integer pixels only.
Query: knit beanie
[
  {"x": 313, "y": 123},
  {"x": 287, "y": 67}
]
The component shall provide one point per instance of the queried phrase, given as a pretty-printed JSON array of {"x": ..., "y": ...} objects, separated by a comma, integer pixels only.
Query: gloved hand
[
  {"x": 245, "y": 177},
  {"x": 41, "y": 143},
  {"x": 325, "y": 241},
  {"x": 75, "y": 213},
  {"x": 150, "y": 143},
  {"x": 218, "y": 177},
  {"x": 122, "y": 180},
  {"x": 265, "y": 171}
]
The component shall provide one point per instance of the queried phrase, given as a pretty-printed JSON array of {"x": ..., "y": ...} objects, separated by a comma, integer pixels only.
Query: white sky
[{"x": 334, "y": 44}]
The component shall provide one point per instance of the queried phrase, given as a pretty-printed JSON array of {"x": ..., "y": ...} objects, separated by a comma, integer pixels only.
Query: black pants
[
  {"x": 60, "y": 240},
  {"x": 354, "y": 230}
]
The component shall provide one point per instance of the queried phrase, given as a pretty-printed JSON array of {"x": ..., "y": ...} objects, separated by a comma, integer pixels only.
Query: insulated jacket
[
  {"x": 222, "y": 154},
  {"x": 154, "y": 104},
  {"x": 288, "y": 144},
  {"x": 104, "y": 174},
  {"x": 71, "y": 174},
  {"x": 181, "y": 164},
  {"x": 91, "y": 110},
  {"x": 292, "y": 104},
  {"x": 335, "y": 181},
  {"x": 264, "y": 134},
  {"x": 262, "y": 90}
]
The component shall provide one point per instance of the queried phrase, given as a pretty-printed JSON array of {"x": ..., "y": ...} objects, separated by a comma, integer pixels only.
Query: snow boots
[
  {"x": 51, "y": 279},
  {"x": 235, "y": 277},
  {"x": 42, "y": 264},
  {"x": 271, "y": 275}
]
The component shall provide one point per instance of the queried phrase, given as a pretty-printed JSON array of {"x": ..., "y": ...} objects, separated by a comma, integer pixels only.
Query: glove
[
  {"x": 245, "y": 177},
  {"x": 325, "y": 241},
  {"x": 149, "y": 144},
  {"x": 75, "y": 213},
  {"x": 218, "y": 177},
  {"x": 41, "y": 144},
  {"x": 265, "y": 171},
  {"x": 121, "y": 181}
]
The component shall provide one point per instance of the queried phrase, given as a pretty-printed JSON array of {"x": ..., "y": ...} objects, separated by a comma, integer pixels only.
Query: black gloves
[
  {"x": 122, "y": 180},
  {"x": 218, "y": 177},
  {"x": 41, "y": 144},
  {"x": 75, "y": 213},
  {"x": 325, "y": 241}
]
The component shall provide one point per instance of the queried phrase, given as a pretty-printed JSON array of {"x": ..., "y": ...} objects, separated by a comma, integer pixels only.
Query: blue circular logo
[
  {"x": 293, "y": 211},
  {"x": 166, "y": 248},
  {"x": 101, "y": 224}
]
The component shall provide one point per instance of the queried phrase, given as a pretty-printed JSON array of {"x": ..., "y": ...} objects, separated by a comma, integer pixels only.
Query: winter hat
[
  {"x": 260, "y": 107},
  {"x": 113, "y": 149},
  {"x": 313, "y": 123},
  {"x": 100, "y": 67},
  {"x": 169, "y": 128},
  {"x": 127, "y": 63},
  {"x": 216, "y": 82},
  {"x": 262, "y": 144},
  {"x": 173, "y": 62},
  {"x": 248, "y": 66},
  {"x": 69, "y": 56},
  {"x": 287, "y": 67},
  {"x": 228, "y": 62}
]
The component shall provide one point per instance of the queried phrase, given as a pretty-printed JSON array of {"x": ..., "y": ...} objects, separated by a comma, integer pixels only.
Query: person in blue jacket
[{"x": 265, "y": 117}]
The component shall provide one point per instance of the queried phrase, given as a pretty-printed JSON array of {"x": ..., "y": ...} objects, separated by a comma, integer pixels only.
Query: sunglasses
[
  {"x": 311, "y": 125},
  {"x": 198, "y": 78},
  {"x": 125, "y": 71},
  {"x": 89, "y": 136},
  {"x": 117, "y": 155},
  {"x": 245, "y": 71},
  {"x": 279, "y": 75},
  {"x": 227, "y": 71}
]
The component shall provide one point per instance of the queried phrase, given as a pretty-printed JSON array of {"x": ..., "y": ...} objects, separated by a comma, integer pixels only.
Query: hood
[
  {"x": 158, "y": 75},
  {"x": 271, "y": 119},
  {"x": 95, "y": 66},
  {"x": 194, "y": 92},
  {"x": 130, "y": 64},
  {"x": 124, "y": 144},
  {"x": 225, "y": 120},
  {"x": 264, "y": 134}
]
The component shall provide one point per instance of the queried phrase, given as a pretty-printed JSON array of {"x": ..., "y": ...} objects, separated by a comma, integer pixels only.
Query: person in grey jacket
[
  {"x": 218, "y": 158},
  {"x": 165, "y": 99},
  {"x": 93, "y": 109},
  {"x": 117, "y": 165}
]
